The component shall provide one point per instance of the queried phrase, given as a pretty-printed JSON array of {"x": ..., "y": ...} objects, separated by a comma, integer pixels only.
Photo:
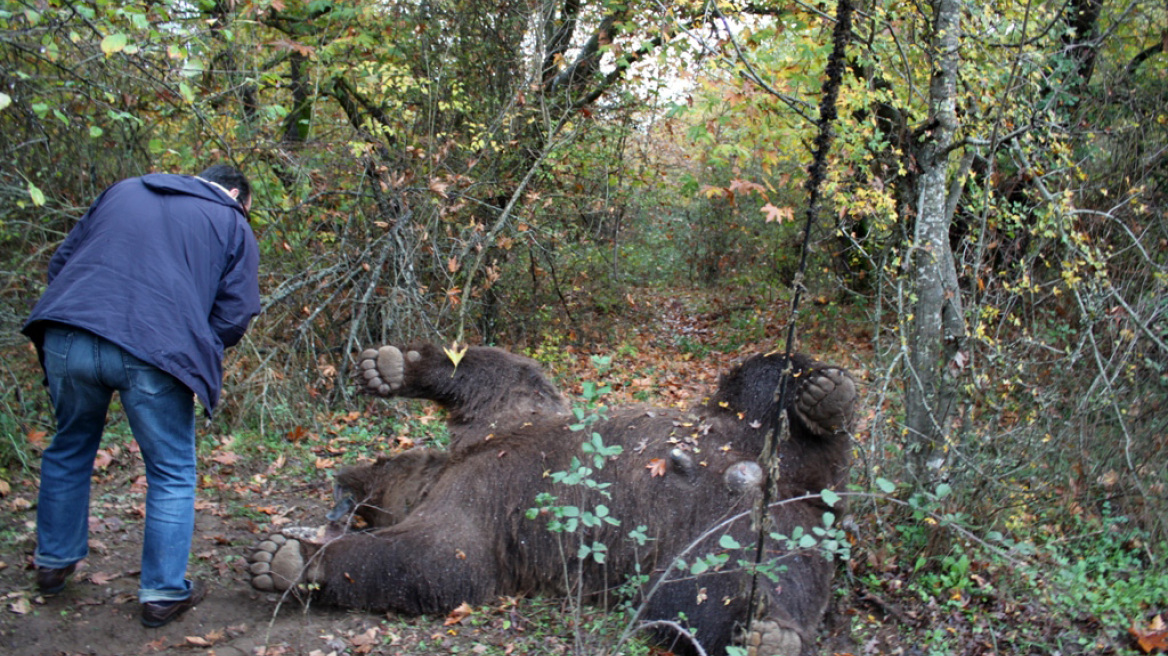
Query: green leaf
[
  {"x": 37, "y": 196},
  {"x": 187, "y": 93},
  {"x": 829, "y": 497},
  {"x": 728, "y": 542},
  {"x": 5, "y": 101},
  {"x": 943, "y": 490},
  {"x": 95, "y": 131},
  {"x": 886, "y": 486},
  {"x": 113, "y": 43},
  {"x": 195, "y": 66}
]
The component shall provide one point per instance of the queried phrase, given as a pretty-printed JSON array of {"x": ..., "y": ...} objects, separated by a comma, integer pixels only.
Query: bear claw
[{"x": 826, "y": 401}]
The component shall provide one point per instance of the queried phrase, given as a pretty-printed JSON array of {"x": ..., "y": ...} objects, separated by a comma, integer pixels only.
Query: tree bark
[{"x": 936, "y": 326}]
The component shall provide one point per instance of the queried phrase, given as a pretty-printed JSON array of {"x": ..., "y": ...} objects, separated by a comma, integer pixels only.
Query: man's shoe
[
  {"x": 159, "y": 613},
  {"x": 51, "y": 581}
]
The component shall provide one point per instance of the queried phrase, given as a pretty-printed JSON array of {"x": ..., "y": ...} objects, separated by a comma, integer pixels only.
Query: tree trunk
[{"x": 936, "y": 326}]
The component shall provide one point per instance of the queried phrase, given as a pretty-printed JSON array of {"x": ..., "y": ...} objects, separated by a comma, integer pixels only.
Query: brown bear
[{"x": 657, "y": 497}]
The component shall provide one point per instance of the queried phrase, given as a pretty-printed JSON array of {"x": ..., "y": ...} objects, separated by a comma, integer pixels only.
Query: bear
[{"x": 656, "y": 496}]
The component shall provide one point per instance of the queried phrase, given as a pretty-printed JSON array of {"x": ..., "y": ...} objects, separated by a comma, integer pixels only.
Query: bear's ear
[{"x": 359, "y": 479}]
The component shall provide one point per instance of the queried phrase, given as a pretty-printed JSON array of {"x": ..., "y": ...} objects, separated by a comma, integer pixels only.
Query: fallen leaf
[
  {"x": 101, "y": 578},
  {"x": 366, "y": 641},
  {"x": 225, "y": 457},
  {"x": 20, "y": 606},
  {"x": 457, "y": 615},
  {"x": 657, "y": 467},
  {"x": 103, "y": 459},
  {"x": 1154, "y": 637}
]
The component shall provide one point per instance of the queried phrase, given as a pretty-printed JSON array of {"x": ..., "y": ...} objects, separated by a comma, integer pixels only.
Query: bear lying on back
[{"x": 452, "y": 526}]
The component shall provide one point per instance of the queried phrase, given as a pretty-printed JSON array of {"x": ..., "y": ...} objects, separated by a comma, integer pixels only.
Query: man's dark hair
[{"x": 229, "y": 177}]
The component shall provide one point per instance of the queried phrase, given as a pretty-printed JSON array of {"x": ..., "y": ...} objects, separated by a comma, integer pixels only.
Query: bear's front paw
[
  {"x": 826, "y": 400},
  {"x": 285, "y": 560},
  {"x": 381, "y": 371}
]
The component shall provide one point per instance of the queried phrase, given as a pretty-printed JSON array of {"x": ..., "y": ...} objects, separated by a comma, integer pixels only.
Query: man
[{"x": 144, "y": 294}]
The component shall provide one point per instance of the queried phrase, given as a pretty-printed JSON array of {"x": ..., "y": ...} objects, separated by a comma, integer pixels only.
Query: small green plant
[
  {"x": 1113, "y": 573},
  {"x": 685, "y": 344},
  {"x": 570, "y": 518}
]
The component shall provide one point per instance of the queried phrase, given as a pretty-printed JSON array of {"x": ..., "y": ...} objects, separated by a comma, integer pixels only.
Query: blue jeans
[{"x": 83, "y": 371}]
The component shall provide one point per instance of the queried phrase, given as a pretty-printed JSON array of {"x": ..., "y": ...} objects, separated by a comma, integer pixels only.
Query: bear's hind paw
[
  {"x": 826, "y": 401},
  {"x": 767, "y": 638},
  {"x": 279, "y": 563}
]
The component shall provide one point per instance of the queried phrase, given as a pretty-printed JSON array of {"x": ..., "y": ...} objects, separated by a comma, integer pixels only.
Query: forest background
[{"x": 575, "y": 177}]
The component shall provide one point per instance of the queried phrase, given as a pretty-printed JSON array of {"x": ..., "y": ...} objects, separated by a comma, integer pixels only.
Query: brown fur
[{"x": 451, "y": 528}]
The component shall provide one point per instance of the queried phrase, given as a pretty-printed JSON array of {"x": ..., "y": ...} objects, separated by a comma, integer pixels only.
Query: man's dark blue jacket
[{"x": 166, "y": 267}]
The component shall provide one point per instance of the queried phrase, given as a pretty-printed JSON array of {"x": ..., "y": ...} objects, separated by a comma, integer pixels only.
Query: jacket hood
[{"x": 169, "y": 183}]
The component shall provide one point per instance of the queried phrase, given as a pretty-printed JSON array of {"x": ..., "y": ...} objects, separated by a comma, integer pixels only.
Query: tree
[{"x": 937, "y": 321}]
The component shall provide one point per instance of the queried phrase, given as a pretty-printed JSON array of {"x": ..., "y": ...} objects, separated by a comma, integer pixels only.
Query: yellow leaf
[
  {"x": 113, "y": 43},
  {"x": 455, "y": 354},
  {"x": 35, "y": 193}
]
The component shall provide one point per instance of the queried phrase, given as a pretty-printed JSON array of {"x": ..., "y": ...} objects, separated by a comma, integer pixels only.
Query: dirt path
[{"x": 98, "y": 613}]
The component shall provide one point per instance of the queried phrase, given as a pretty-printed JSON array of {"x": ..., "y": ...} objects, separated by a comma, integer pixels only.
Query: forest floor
[{"x": 246, "y": 494}]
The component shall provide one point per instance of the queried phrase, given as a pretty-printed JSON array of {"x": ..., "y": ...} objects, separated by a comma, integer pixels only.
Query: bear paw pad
[
  {"x": 826, "y": 401},
  {"x": 381, "y": 371},
  {"x": 281, "y": 561},
  {"x": 768, "y": 638}
]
